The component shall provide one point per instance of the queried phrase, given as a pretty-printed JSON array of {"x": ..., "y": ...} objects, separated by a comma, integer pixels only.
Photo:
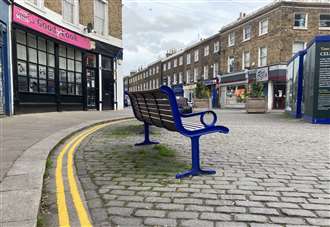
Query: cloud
[{"x": 153, "y": 26}]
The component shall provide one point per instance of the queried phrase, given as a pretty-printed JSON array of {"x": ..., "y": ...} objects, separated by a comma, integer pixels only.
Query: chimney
[{"x": 241, "y": 15}]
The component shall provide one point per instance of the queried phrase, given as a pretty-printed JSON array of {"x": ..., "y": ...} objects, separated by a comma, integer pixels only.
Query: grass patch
[
  {"x": 40, "y": 221},
  {"x": 128, "y": 130},
  {"x": 164, "y": 150}
]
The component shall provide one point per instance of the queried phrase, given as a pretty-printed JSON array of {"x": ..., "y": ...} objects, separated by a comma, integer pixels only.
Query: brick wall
[
  {"x": 115, "y": 18},
  {"x": 54, "y": 5}
]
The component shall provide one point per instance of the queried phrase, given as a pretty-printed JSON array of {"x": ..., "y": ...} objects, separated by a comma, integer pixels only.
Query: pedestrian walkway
[
  {"x": 271, "y": 171},
  {"x": 26, "y": 141}
]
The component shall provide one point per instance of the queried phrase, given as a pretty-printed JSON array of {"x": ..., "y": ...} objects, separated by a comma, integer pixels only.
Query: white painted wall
[
  {"x": 120, "y": 84},
  {"x": 270, "y": 95}
]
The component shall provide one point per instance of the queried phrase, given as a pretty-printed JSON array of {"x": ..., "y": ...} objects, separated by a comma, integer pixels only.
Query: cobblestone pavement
[{"x": 271, "y": 171}]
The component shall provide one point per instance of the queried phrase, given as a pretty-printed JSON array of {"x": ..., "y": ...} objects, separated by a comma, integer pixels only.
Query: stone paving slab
[{"x": 271, "y": 171}]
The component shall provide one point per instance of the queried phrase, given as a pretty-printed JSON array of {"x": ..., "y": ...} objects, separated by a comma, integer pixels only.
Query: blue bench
[{"x": 159, "y": 108}]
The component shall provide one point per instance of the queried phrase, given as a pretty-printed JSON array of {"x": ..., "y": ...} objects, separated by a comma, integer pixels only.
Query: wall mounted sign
[
  {"x": 24, "y": 17},
  {"x": 262, "y": 74}
]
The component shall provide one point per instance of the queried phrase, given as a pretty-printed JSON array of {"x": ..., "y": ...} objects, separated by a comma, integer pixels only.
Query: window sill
[
  {"x": 231, "y": 45},
  {"x": 300, "y": 28},
  {"x": 324, "y": 29},
  {"x": 245, "y": 40},
  {"x": 263, "y": 34}
]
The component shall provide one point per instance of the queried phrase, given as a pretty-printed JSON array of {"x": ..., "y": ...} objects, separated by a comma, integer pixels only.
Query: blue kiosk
[{"x": 308, "y": 82}]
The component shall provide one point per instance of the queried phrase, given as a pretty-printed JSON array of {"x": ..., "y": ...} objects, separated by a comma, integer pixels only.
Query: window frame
[
  {"x": 306, "y": 21},
  {"x": 106, "y": 17},
  {"x": 244, "y": 59},
  {"x": 188, "y": 58},
  {"x": 229, "y": 69},
  {"x": 323, "y": 28},
  {"x": 301, "y": 42},
  {"x": 216, "y": 47},
  {"x": 231, "y": 42},
  {"x": 259, "y": 57},
  {"x": 260, "y": 27},
  {"x": 244, "y": 32},
  {"x": 206, "y": 50},
  {"x": 196, "y": 55}
]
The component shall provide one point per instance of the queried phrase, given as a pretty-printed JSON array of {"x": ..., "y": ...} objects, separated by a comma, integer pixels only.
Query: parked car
[{"x": 183, "y": 105}]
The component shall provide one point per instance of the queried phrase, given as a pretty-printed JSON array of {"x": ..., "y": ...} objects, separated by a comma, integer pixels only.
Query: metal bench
[{"x": 159, "y": 108}]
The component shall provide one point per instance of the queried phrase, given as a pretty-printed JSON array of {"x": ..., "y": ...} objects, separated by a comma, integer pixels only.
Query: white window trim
[
  {"x": 106, "y": 19},
  {"x": 206, "y": 50},
  {"x": 188, "y": 57},
  {"x": 306, "y": 23},
  {"x": 196, "y": 55},
  {"x": 259, "y": 57},
  {"x": 75, "y": 12},
  {"x": 323, "y": 28},
  {"x": 244, "y": 30},
  {"x": 305, "y": 44},
  {"x": 40, "y": 4},
  {"x": 228, "y": 64},
  {"x": 260, "y": 23},
  {"x": 181, "y": 60}
]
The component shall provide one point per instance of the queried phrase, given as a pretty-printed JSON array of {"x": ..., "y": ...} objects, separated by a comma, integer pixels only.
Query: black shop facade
[{"x": 56, "y": 69}]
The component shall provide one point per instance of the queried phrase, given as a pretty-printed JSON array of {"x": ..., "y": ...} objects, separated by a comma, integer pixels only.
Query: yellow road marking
[{"x": 60, "y": 193}]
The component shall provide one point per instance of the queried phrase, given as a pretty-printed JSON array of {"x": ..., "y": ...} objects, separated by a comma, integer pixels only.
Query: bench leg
[
  {"x": 146, "y": 137},
  {"x": 196, "y": 169}
]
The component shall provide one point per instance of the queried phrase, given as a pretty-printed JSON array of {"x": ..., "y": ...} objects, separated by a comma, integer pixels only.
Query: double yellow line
[{"x": 69, "y": 149}]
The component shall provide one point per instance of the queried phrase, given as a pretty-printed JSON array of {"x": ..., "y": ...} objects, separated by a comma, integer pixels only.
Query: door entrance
[
  {"x": 107, "y": 90},
  {"x": 279, "y": 96},
  {"x": 91, "y": 90}
]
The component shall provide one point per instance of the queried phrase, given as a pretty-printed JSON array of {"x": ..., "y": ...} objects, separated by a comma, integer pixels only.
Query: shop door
[
  {"x": 91, "y": 90},
  {"x": 279, "y": 96},
  {"x": 107, "y": 90}
]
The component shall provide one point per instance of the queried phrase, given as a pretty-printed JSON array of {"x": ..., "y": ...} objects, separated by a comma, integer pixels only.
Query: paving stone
[
  {"x": 139, "y": 205},
  {"x": 265, "y": 211},
  {"x": 169, "y": 206},
  {"x": 319, "y": 221},
  {"x": 188, "y": 201},
  {"x": 99, "y": 214},
  {"x": 199, "y": 208},
  {"x": 122, "y": 192},
  {"x": 196, "y": 223},
  {"x": 219, "y": 202},
  {"x": 231, "y": 209},
  {"x": 115, "y": 203},
  {"x": 127, "y": 221},
  {"x": 263, "y": 198},
  {"x": 175, "y": 194},
  {"x": 249, "y": 204},
  {"x": 204, "y": 196},
  {"x": 315, "y": 207},
  {"x": 158, "y": 200},
  {"x": 123, "y": 211},
  {"x": 160, "y": 222},
  {"x": 287, "y": 220},
  {"x": 264, "y": 225},
  {"x": 215, "y": 216},
  {"x": 183, "y": 214},
  {"x": 150, "y": 213},
  {"x": 298, "y": 212},
  {"x": 95, "y": 203},
  {"x": 282, "y": 205},
  {"x": 323, "y": 214},
  {"x": 250, "y": 218},
  {"x": 131, "y": 198},
  {"x": 231, "y": 224}
]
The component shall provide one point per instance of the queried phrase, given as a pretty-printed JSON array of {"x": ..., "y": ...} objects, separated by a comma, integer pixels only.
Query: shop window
[
  {"x": 106, "y": 63},
  {"x": 70, "y": 70},
  {"x": 31, "y": 40},
  {"x": 325, "y": 21},
  {"x": 300, "y": 20},
  {"x": 91, "y": 60}
]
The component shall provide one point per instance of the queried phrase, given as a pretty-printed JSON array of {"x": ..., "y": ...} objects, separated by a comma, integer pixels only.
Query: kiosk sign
[
  {"x": 262, "y": 74},
  {"x": 24, "y": 17}
]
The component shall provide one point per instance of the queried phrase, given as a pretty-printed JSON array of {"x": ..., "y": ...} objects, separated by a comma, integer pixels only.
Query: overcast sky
[{"x": 153, "y": 26}]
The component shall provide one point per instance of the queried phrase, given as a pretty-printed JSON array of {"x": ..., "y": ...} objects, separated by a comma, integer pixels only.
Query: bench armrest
[{"x": 202, "y": 114}]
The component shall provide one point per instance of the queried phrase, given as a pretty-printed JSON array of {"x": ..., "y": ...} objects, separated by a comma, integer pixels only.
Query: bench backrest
[{"x": 155, "y": 107}]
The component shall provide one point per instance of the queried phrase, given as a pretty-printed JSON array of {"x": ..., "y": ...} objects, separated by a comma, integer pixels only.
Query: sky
[{"x": 151, "y": 27}]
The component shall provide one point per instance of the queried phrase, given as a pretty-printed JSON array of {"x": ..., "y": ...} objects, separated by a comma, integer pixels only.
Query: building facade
[
  {"x": 5, "y": 80},
  {"x": 255, "y": 47},
  {"x": 66, "y": 55}
]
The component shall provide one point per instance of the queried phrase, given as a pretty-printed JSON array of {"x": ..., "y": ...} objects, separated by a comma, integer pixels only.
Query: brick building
[
  {"x": 260, "y": 44},
  {"x": 67, "y": 55}
]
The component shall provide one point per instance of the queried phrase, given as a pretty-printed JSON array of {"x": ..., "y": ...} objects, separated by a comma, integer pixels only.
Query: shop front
[{"x": 53, "y": 68}]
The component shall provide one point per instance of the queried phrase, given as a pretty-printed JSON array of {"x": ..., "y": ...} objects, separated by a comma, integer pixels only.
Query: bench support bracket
[
  {"x": 146, "y": 137},
  {"x": 196, "y": 169}
]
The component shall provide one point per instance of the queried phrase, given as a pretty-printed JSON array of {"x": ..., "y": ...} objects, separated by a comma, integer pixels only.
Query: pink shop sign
[{"x": 24, "y": 17}]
